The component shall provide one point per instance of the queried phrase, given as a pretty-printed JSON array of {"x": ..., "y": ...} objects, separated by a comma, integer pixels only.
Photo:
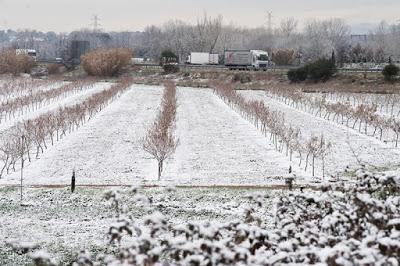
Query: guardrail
[
  {"x": 271, "y": 68},
  {"x": 223, "y": 67}
]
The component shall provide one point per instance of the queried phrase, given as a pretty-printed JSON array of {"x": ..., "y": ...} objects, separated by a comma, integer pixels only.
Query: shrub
[
  {"x": 283, "y": 57},
  {"x": 390, "y": 72},
  {"x": 168, "y": 57},
  {"x": 106, "y": 62},
  {"x": 242, "y": 78},
  {"x": 355, "y": 224},
  {"x": 321, "y": 70},
  {"x": 53, "y": 69},
  {"x": 12, "y": 63},
  {"x": 299, "y": 74},
  {"x": 170, "y": 68}
]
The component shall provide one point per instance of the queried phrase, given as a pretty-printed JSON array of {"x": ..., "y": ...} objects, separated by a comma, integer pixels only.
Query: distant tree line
[{"x": 318, "y": 38}]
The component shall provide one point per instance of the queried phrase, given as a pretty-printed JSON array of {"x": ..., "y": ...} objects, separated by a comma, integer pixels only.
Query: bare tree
[
  {"x": 161, "y": 145},
  {"x": 209, "y": 31},
  {"x": 160, "y": 140}
]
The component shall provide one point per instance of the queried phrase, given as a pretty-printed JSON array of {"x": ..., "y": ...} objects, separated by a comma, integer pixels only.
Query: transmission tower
[
  {"x": 95, "y": 24},
  {"x": 269, "y": 21}
]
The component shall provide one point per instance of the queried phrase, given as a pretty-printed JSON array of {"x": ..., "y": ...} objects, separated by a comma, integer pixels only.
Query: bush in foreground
[
  {"x": 106, "y": 62},
  {"x": 390, "y": 72},
  {"x": 353, "y": 224},
  {"x": 11, "y": 63}
]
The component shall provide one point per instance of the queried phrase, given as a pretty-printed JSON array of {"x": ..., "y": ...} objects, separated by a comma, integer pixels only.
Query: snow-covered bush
[{"x": 357, "y": 224}]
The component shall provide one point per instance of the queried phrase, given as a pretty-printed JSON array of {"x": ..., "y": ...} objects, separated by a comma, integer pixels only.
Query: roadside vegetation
[
  {"x": 321, "y": 70},
  {"x": 390, "y": 72},
  {"x": 106, "y": 62},
  {"x": 12, "y": 63}
]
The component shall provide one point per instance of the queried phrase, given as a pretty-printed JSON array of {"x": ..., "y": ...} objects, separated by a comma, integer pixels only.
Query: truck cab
[{"x": 260, "y": 59}]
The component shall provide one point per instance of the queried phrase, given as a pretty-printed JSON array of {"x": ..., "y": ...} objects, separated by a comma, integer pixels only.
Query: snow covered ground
[
  {"x": 346, "y": 142},
  {"x": 218, "y": 146}
]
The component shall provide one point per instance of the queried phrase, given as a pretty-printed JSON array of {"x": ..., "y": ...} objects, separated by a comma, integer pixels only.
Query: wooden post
[{"x": 73, "y": 181}]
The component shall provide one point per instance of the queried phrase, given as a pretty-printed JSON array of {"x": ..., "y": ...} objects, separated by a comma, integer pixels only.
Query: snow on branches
[{"x": 353, "y": 224}]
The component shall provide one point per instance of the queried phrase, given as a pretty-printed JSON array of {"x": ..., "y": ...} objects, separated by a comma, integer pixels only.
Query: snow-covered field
[
  {"x": 217, "y": 146},
  {"x": 218, "y": 149}
]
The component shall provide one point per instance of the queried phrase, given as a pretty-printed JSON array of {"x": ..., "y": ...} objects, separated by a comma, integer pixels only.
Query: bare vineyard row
[
  {"x": 17, "y": 142},
  {"x": 29, "y": 103},
  {"x": 361, "y": 117},
  {"x": 160, "y": 140},
  {"x": 19, "y": 87},
  {"x": 387, "y": 104},
  {"x": 280, "y": 134}
]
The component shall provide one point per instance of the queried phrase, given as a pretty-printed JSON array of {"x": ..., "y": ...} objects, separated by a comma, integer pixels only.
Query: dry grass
[{"x": 53, "y": 69}]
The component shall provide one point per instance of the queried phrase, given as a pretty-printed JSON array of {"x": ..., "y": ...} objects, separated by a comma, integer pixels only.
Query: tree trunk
[
  {"x": 313, "y": 166},
  {"x": 160, "y": 163}
]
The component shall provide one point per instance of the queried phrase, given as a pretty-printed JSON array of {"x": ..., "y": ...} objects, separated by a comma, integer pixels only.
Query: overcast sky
[{"x": 69, "y": 15}]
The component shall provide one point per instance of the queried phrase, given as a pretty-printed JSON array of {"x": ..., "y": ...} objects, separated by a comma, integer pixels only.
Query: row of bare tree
[
  {"x": 363, "y": 116},
  {"x": 31, "y": 102},
  {"x": 282, "y": 135},
  {"x": 14, "y": 88},
  {"x": 18, "y": 142},
  {"x": 160, "y": 141},
  {"x": 388, "y": 104}
]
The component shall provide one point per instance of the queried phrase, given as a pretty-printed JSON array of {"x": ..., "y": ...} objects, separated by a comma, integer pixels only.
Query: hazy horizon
[{"x": 120, "y": 15}]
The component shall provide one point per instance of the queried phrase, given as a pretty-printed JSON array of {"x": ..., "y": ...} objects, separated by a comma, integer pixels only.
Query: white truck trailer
[
  {"x": 246, "y": 59},
  {"x": 203, "y": 59}
]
